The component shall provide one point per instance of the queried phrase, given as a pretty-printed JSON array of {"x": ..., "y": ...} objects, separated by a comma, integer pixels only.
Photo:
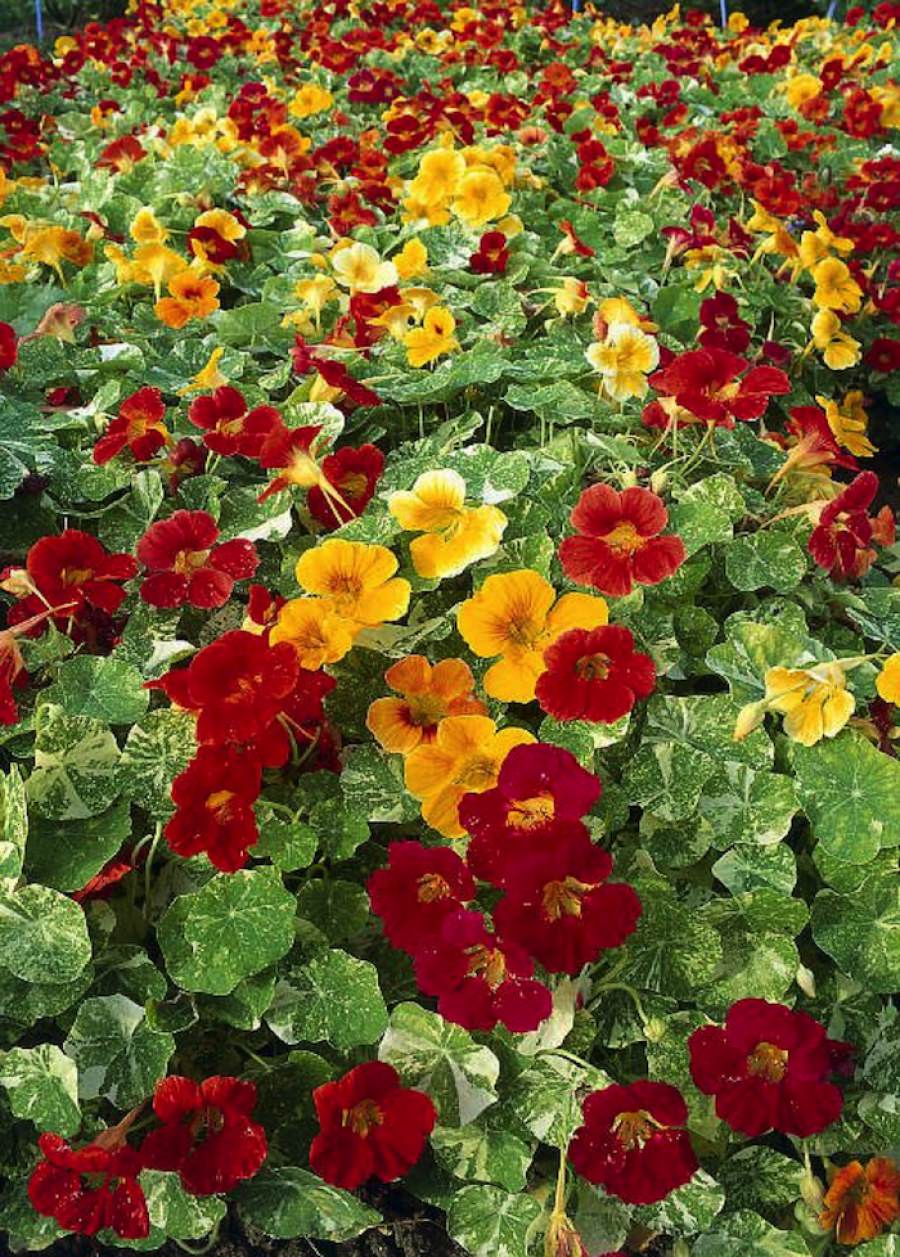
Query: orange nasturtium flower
[
  {"x": 516, "y": 615},
  {"x": 862, "y": 1202},
  {"x": 465, "y": 757},
  {"x": 357, "y": 581},
  {"x": 315, "y": 631},
  {"x": 428, "y": 693},
  {"x": 455, "y": 535},
  {"x": 191, "y": 296}
]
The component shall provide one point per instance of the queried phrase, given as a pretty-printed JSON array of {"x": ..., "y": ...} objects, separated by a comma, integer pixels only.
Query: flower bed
[{"x": 450, "y": 677}]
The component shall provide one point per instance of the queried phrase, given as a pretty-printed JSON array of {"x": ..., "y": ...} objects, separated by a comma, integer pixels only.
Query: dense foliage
[{"x": 450, "y": 677}]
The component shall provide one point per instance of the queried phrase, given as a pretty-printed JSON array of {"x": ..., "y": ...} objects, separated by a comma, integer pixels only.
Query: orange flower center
[
  {"x": 425, "y": 710},
  {"x": 563, "y": 899},
  {"x": 531, "y": 813},
  {"x": 634, "y": 1129},
  {"x": 75, "y": 575},
  {"x": 432, "y": 887},
  {"x": 477, "y": 774},
  {"x": 187, "y": 561},
  {"x": 523, "y": 632},
  {"x": 593, "y": 667},
  {"x": 487, "y": 963},
  {"x": 363, "y": 1117},
  {"x": 353, "y": 485},
  {"x": 344, "y": 585},
  {"x": 219, "y": 803},
  {"x": 767, "y": 1062},
  {"x": 624, "y": 538}
]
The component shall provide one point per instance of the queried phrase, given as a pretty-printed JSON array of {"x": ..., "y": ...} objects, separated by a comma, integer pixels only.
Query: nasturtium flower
[
  {"x": 186, "y": 565},
  {"x": 633, "y": 1142},
  {"x": 624, "y": 359},
  {"x": 347, "y": 483},
  {"x": 619, "y": 543},
  {"x": 769, "y": 1068},
  {"x": 540, "y": 790},
  {"x": 571, "y": 297},
  {"x": 369, "y": 1127},
  {"x": 310, "y": 99},
  {"x": 439, "y": 175},
  {"x": 455, "y": 535},
  {"x": 191, "y": 296},
  {"x": 849, "y": 422},
  {"x": 709, "y": 384},
  {"x": 417, "y": 888},
  {"x": 836, "y": 289},
  {"x": 594, "y": 674},
  {"x": 516, "y": 615},
  {"x": 433, "y": 339},
  {"x": 412, "y": 260},
  {"x": 815, "y": 701},
  {"x": 480, "y": 198},
  {"x": 318, "y": 634},
  {"x": 139, "y": 426},
  {"x": 841, "y": 541},
  {"x": 359, "y": 268},
  {"x": 465, "y": 757},
  {"x": 559, "y": 906},
  {"x": 92, "y": 1188},
  {"x": 9, "y": 347},
  {"x": 862, "y": 1201},
  {"x": 53, "y": 245},
  {"x": 427, "y": 693},
  {"x": 214, "y": 799},
  {"x": 145, "y": 227},
  {"x": 838, "y": 348},
  {"x": 356, "y": 579},
  {"x": 208, "y": 1136},
  {"x": 481, "y": 979},
  {"x": 887, "y": 683},
  {"x": 67, "y": 575},
  {"x": 228, "y": 427},
  {"x": 817, "y": 245},
  {"x": 155, "y": 265}
]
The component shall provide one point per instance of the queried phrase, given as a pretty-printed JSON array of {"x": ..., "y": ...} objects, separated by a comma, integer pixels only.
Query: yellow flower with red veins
[
  {"x": 815, "y": 701},
  {"x": 624, "y": 360},
  {"x": 849, "y": 423},
  {"x": 465, "y": 757},
  {"x": 191, "y": 296},
  {"x": 480, "y": 198},
  {"x": 516, "y": 616},
  {"x": 455, "y": 534},
  {"x": 887, "y": 683},
  {"x": 433, "y": 339},
  {"x": 356, "y": 579},
  {"x": 428, "y": 694},
  {"x": 315, "y": 631}
]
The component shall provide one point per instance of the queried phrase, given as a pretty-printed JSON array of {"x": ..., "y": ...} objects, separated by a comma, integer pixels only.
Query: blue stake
[
  {"x": 39, "y": 21},
  {"x": 723, "y": 9},
  {"x": 832, "y": 9}
]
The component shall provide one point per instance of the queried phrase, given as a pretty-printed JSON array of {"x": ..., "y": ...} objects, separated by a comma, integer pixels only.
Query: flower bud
[
  {"x": 659, "y": 480},
  {"x": 629, "y": 479},
  {"x": 749, "y": 718}
]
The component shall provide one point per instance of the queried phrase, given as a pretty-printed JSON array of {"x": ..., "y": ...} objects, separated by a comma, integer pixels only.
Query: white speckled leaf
[
  {"x": 76, "y": 772},
  {"x": 333, "y": 998},
  {"x": 43, "y": 935},
  {"x": 43, "y": 1087},
  {"x": 489, "y": 1222},
  {"x": 851, "y": 793},
  {"x": 177, "y": 1214},
  {"x": 861, "y": 932},
  {"x": 118, "y": 1054},
  {"x": 289, "y": 1203}
]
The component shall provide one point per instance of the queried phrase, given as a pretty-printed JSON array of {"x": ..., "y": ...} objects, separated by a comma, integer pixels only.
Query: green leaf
[
  {"x": 43, "y": 935},
  {"x": 333, "y": 998},
  {"x": 751, "y": 649},
  {"x": 489, "y": 1222},
  {"x": 688, "y": 1210},
  {"x": 289, "y": 1203},
  {"x": 742, "y": 1233},
  {"x": 673, "y": 950},
  {"x": 765, "y": 560},
  {"x": 851, "y": 793},
  {"x": 76, "y": 766},
  {"x": 602, "y": 1221},
  {"x": 288, "y": 844},
  {"x": 106, "y": 689},
  {"x": 700, "y": 524},
  {"x": 746, "y": 806},
  {"x": 372, "y": 784},
  {"x": 340, "y": 827},
  {"x": 747, "y": 867},
  {"x": 43, "y": 1087},
  {"x": 155, "y": 752},
  {"x": 67, "y": 854},
  {"x": 13, "y": 824},
  {"x": 443, "y": 1060},
  {"x": 484, "y": 1151},
  {"x": 118, "y": 1054},
  {"x": 861, "y": 932},
  {"x": 547, "y": 1097},
  {"x": 339, "y": 909},
  {"x": 667, "y": 778},
  {"x": 761, "y": 1178},
  {"x": 176, "y": 1213},
  {"x": 124, "y": 523},
  {"x": 232, "y": 927},
  {"x": 677, "y": 311},
  {"x": 245, "y": 1006},
  {"x": 631, "y": 226}
]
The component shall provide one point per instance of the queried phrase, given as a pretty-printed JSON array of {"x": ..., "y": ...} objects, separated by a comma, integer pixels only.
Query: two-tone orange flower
[
  {"x": 516, "y": 616},
  {"x": 191, "y": 296},
  {"x": 427, "y": 694},
  {"x": 862, "y": 1201}
]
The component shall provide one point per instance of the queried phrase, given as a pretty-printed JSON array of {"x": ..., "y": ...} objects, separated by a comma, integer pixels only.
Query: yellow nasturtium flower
[
  {"x": 815, "y": 703},
  {"x": 145, "y": 227},
  {"x": 838, "y": 348},
  {"x": 887, "y": 683},
  {"x": 480, "y": 198},
  {"x": 433, "y": 339},
  {"x": 358, "y": 267},
  {"x": 455, "y": 535},
  {"x": 836, "y": 289},
  {"x": 849, "y": 423},
  {"x": 412, "y": 260},
  {"x": 315, "y": 630},
  {"x": 624, "y": 359},
  {"x": 357, "y": 579}
]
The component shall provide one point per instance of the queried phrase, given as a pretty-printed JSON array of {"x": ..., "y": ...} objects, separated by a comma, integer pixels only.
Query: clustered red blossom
[{"x": 557, "y": 908}]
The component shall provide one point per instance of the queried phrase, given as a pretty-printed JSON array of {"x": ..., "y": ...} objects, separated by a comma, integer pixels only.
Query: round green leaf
[
  {"x": 861, "y": 932},
  {"x": 287, "y": 1203},
  {"x": 43, "y": 935},
  {"x": 118, "y": 1054},
  {"x": 43, "y": 1087},
  {"x": 333, "y": 998}
]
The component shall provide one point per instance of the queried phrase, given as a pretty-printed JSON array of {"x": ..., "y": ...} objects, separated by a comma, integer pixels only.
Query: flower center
[
  {"x": 219, "y": 803},
  {"x": 767, "y": 1062},
  {"x": 477, "y": 774},
  {"x": 563, "y": 899},
  {"x": 431, "y": 888},
  {"x": 425, "y": 710},
  {"x": 187, "y": 561},
  {"x": 353, "y": 485},
  {"x": 363, "y": 1118},
  {"x": 523, "y": 632},
  {"x": 624, "y": 538},
  {"x": 593, "y": 667},
  {"x": 75, "y": 575},
  {"x": 487, "y": 963},
  {"x": 634, "y": 1129},
  {"x": 531, "y": 813}
]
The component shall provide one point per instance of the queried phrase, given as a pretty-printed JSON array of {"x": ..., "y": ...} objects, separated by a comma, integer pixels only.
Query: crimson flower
[
  {"x": 370, "y": 1127},
  {"x": 9, "y": 347},
  {"x": 353, "y": 474},
  {"x": 841, "y": 540},
  {"x": 292, "y": 452},
  {"x": 768, "y": 1068},
  {"x": 883, "y": 354},
  {"x": 619, "y": 542},
  {"x": 263, "y": 606},
  {"x": 69, "y": 573},
  {"x": 214, "y": 799},
  {"x": 186, "y": 565},
  {"x": 721, "y": 324},
  {"x": 539, "y": 788},
  {"x": 560, "y": 908},
  {"x": 705, "y": 382},
  {"x": 594, "y": 674},
  {"x": 633, "y": 1143},
  {"x": 139, "y": 425},
  {"x": 492, "y": 255},
  {"x": 334, "y": 373},
  {"x": 228, "y": 427},
  {"x": 813, "y": 444},
  {"x": 90, "y": 1189},
  {"x": 481, "y": 979},
  {"x": 12, "y": 674},
  {"x": 207, "y": 1135},
  {"x": 418, "y": 888}
]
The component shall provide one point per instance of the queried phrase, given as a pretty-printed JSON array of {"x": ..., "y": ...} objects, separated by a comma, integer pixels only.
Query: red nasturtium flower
[
  {"x": 491, "y": 256},
  {"x": 353, "y": 475},
  {"x": 93, "y": 1188},
  {"x": 594, "y": 674},
  {"x": 841, "y": 540},
  {"x": 560, "y": 907},
  {"x": 12, "y": 674},
  {"x": 9, "y": 347},
  {"x": 139, "y": 425},
  {"x": 370, "y": 1127},
  {"x": 861, "y": 1202},
  {"x": 186, "y": 564},
  {"x": 706, "y": 383},
  {"x": 207, "y": 1135},
  {"x": 418, "y": 888},
  {"x": 229, "y": 428},
  {"x": 540, "y": 788},
  {"x": 769, "y": 1069},
  {"x": 214, "y": 799},
  {"x": 67, "y": 574},
  {"x": 619, "y": 542},
  {"x": 480, "y": 979},
  {"x": 633, "y": 1143}
]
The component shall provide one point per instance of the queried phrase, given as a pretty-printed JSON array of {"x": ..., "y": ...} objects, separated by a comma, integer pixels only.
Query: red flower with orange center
[
  {"x": 706, "y": 383},
  {"x": 229, "y": 428},
  {"x": 862, "y": 1202},
  {"x": 594, "y": 674},
  {"x": 619, "y": 542},
  {"x": 186, "y": 564},
  {"x": 214, "y": 799},
  {"x": 418, "y": 888},
  {"x": 352, "y": 475},
  {"x": 91, "y": 1189},
  {"x": 139, "y": 426},
  {"x": 68, "y": 574}
]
